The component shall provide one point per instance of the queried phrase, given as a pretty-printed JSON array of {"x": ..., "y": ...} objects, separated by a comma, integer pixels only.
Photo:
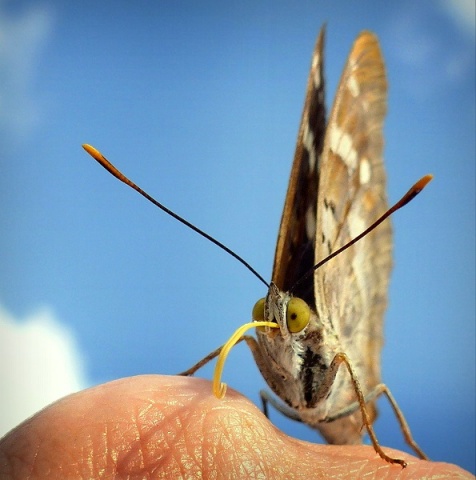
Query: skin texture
[{"x": 173, "y": 427}]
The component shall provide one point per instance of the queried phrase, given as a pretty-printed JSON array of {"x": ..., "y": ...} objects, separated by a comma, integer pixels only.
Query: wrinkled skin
[{"x": 173, "y": 427}]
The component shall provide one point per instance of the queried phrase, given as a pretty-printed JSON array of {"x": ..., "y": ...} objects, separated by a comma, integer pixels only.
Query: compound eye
[
  {"x": 258, "y": 311},
  {"x": 298, "y": 315}
]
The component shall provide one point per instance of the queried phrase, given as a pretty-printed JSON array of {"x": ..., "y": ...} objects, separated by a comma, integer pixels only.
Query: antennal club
[
  {"x": 408, "y": 197},
  {"x": 104, "y": 162}
]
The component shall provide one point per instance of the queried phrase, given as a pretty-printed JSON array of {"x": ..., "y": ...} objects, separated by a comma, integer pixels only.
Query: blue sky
[{"x": 199, "y": 103}]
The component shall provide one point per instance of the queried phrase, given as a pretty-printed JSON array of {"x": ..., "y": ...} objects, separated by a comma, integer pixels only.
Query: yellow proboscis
[{"x": 219, "y": 388}]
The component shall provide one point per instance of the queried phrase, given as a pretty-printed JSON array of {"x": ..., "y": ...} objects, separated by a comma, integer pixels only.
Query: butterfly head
[
  {"x": 292, "y": 314},
  {"x": 288, "y": 351}
]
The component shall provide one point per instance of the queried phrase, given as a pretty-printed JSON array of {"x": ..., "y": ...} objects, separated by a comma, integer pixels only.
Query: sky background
[{"x": 199, "y": 103}]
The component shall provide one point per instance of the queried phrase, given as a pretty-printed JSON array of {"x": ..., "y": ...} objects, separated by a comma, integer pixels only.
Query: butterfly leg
[
  {"x": 407, "y": 434},
  {"x": 266, "y": 398},
  {"x": 342, "y": 358},
  {"x": 189, "y": 372},
  {"x": 380, "y": 389},
  {"x": 359, "y": 404},
  {"x": 354, "y": 406}
]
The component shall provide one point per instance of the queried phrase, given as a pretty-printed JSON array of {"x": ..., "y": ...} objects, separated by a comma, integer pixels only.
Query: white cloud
[
  {"x": 429, "y": 61},
  {"x": 22, "y": 39},
  {"x": 39, "y": 363},
  {"x": 463, "y": 12}
]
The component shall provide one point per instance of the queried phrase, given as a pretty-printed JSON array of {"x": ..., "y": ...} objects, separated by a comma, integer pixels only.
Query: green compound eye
[
  {"x": 297, "y": 315},
  {"x": 258, "y": 311}
]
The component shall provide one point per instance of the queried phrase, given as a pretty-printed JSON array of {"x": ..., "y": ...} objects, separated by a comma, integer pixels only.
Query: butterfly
[
  {"x": 324, "y": 364},
  {"x": 320, "y": 326}
]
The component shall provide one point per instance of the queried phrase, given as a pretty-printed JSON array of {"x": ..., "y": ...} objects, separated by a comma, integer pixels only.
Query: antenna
[
  {"x": 103, "y": 161},
  {"x": 408, "y": 197}
]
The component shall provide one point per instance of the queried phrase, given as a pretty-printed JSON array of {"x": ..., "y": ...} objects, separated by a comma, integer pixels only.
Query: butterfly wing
[
  {"x": 296, "y": 239},
  {"x": 336, "y": 190},
  {"x": 351, "y": 289}
]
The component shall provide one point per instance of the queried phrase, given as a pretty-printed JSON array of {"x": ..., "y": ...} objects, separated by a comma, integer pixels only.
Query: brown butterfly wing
[
  {"x": 351, "y": 289},
  {"x": 297, "y": 233}
]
